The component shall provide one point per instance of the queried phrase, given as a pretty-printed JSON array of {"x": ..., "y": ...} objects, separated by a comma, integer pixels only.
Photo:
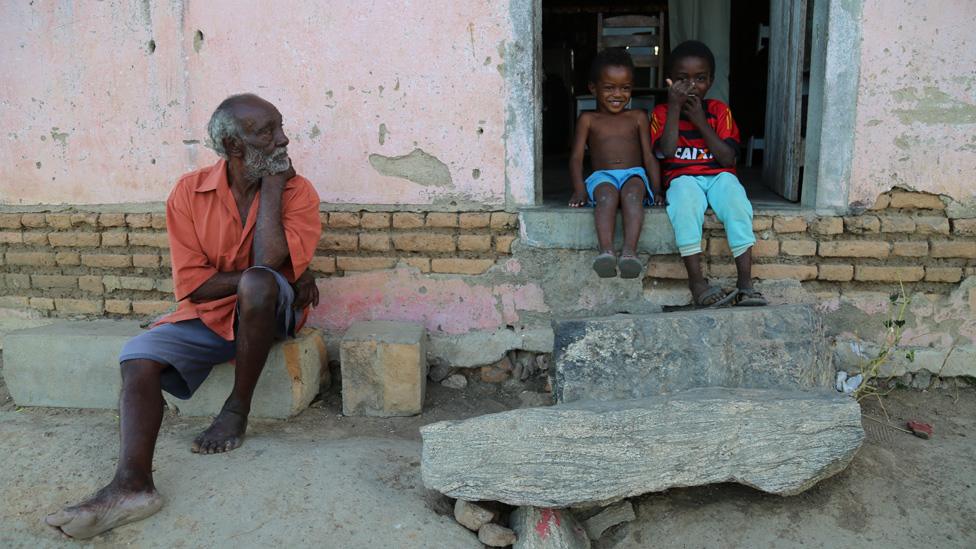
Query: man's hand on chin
[{"x": 280, "y": 178}]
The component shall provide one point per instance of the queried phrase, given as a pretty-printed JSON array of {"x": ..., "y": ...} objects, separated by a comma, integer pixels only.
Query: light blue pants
[{"x": 688, "y": 198}]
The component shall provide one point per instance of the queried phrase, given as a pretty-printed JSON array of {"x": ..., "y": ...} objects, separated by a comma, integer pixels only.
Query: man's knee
[
  {"x": 139, "y": 369},
  {"x": 257, "y": 291}
]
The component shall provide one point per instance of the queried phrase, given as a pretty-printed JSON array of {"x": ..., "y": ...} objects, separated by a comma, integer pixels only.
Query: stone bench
[
  {"x": 75, "y": 365},
  {"x": 384, "y": 368}
]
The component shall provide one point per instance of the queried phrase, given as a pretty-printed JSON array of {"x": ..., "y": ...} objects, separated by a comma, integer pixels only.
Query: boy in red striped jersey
[{"x": 697, "y": 141}]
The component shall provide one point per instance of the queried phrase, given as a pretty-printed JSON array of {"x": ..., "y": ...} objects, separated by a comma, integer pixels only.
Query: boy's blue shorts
[{"x": 618, "y": 178}]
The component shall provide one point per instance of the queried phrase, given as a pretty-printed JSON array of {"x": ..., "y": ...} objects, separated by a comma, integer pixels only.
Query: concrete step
[
  {"x": 384, "y": 368},
  {"x": 75, "y": 365},
  {"x": 634, "y": 356}
]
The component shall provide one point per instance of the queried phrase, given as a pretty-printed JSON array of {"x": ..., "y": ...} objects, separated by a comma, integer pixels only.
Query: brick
[
  {"x": 445, "y": 220},
  {"x": 884, "y": 199},
  {"x": 923, "y": 201},
  {"x": 868, "y": 273},
  {"x": 666, "y": 269},
  {"x": 139, "y": 220},
  {"x": 854, "y": 248},
  {"x": 503, "y": 243},
  {"x": 323, "y": 264},
  {"x": 420, "y": 263},
  {"x": 33, "y": 259},
  {"x": 159, "y": 221},
  {"x": 111, "y": 283},
  {"x": 74, "y": 239},
  {"x": 84, "y": 218},
  {"x": 111, "y": 220},
  {"x": 10, "y": 221},
  {"x": 719, "y": 247},
  {"x": 42, "y": 303},
  {"x": 136, "y": 283},
  {"x": 34, "y": 220},
  {"x": 374, "y": 242},
  {"x": 943, "y": 274},
  {"x": 972, "y": 300},
  {"x": 384, "y": 369},
  {"x": 58, "y": 220},
  {"x": 910, "y": 249},
  {"x": 953, "y": 248},
  {"x": 474, "y": 220},
  {"x": 324, "y": 219},
  {"x": 17, "y": 281},
  {"x": 35, "y": 238},
  {"x": 339, "y": 242},
  {"x": 115, "y": 239},
  {"x": 777, "y": 271},
  {"x": 364, "y": 263},
  {"x": 14, "y": 302},
  {"x": 827, "y": 226},
  {"x": 68, "y": 258},
  {"x": 91, "y": 284},
  {"x": 711, "y": 223},
  {"x": 721, "y": 270},
  {"x": 835, "y": 273},
  {"x": 474, "y": 242},
  {"x": 423, "y": 242},
  {"x": 145, "y": 261},
  {"x": 784, "y": 224},
  {"x": 106, "y": 261},
  {"x": 79, "y": 306},
  {"x": 375, "y": 220},
  {"x": 11, "y": 237},
  {"x": 153, "y": 240},
  {"x": 408, "y": 220},
  {"x": 164, "y": 285},
  {"x": 964, "y": 227},
  {"x": 461, "y": 266},
  {"x": 860, "y": 224},
  {"x": 762, "y": 223},
  {"x": 503, "y": 220},
  {"x": 931, "y": 225},
  {"x": 798, "y": 247},
  {"x": 765, "y": 248},
  {"x": 897, "y": 224},
  {"x": 155, "y": 307},
  {"x": 118, "y": 306},
  {"x": 343, "y": 220}
]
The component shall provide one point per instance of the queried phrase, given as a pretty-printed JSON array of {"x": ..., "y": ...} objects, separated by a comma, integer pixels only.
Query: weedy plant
[{"x": 894, "y": 325}]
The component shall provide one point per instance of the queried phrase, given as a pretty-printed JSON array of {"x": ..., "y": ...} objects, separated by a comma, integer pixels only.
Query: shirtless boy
[{"x": 620, "y": 154}]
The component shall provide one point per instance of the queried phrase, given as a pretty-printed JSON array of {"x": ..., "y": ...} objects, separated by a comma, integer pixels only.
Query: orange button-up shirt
[{"x": 206, "y": 237}]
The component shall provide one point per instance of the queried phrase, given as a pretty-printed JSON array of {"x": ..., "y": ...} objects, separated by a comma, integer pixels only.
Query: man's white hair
[{"x": 223, "y": 124}]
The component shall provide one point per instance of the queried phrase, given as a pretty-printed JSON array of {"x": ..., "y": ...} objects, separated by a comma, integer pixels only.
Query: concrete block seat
[
  {"x": 75, "y": 365},
  {"x": 384, "y": 369}
]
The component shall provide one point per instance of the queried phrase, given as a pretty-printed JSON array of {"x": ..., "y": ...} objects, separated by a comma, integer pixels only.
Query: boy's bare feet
[
  {"x": 605, "y": 264},
  {"x": 109, "y": 508},
  {"x": 630, "y": 266},
  {"x": 224, "y": 434}
]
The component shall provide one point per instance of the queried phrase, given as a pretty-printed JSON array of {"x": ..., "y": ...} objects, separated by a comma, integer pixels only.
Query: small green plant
[{"x": 894, "y": 325}]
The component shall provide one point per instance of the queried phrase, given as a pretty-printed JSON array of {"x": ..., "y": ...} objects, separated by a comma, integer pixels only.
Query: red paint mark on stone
[{"x": 542, "y": 527}]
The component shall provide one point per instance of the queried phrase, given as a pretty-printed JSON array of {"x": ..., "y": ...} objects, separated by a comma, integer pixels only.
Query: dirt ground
[{"x": 332, "y": 481}]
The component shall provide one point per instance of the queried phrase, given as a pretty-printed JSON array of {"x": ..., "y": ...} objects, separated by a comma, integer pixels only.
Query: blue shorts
[
  {"x": 190, "y": 349},
  {"x": 618, "y": 178}
]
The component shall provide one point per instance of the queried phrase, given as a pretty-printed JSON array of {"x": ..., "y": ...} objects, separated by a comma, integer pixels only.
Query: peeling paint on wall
[{"x": 418, "y": 166}]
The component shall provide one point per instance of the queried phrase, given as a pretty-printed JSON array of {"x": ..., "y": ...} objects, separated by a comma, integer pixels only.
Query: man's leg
[
  {"x": 131, "y": 495},
  {"x": 257, "y": 299}
]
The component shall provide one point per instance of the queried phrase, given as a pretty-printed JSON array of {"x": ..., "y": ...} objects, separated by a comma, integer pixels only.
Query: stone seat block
[
  {"x": 75, "y": 365},
  {"x": 634, "y": 356},
  {"x": 384, "y": 368},
  {"x": 294, "y": 373}
]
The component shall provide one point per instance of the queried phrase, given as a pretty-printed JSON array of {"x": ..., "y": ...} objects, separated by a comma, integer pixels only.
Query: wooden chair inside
[{"x": 642, "y": 36}]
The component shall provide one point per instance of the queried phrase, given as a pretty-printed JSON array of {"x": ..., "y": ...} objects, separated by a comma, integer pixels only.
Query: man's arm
[
  {"x": 722, "y": 151},
  {"x": 270, "y": 247},
  {"x": 579, "y": 197},
  {"x": 218, "y": 286}
]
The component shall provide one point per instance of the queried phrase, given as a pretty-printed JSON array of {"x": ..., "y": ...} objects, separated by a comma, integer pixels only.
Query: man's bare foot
[
  {"x": 109, "y": 508},
  {"x": 224, "y": 434}
]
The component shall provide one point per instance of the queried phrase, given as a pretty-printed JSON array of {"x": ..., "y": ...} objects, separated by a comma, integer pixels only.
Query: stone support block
[
  {"x": 634, "y": 356},
  {"x": 593, "y": 452},
  {"x": 384, "y": 369},
  {"x": 547, "y": 529}
]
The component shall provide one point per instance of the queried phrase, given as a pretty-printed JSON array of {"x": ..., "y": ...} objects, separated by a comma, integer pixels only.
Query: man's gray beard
[{"x": 258, "y": 164}]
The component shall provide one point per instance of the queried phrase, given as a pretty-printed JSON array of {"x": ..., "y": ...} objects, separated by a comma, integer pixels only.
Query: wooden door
[{"x": 783, "y": 152}]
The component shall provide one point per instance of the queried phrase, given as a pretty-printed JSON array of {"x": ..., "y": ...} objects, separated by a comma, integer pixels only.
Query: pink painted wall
[
  {"x": 916, "y": 106},
  {"x": 91, "y": 116}
]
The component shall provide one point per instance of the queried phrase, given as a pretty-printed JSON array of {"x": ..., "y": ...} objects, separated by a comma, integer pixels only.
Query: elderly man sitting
[{"x": 242, "y": 233}]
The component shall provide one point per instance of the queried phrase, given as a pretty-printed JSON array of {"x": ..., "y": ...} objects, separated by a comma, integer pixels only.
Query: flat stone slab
[
  {"x": 568, "y": 228},
  {"x": 595, "y": 452},
  {"x": 67, "y": 364},
  {"x": 384, "y": 368},
  {"x": 634, "y": 356},
  {"x": 292, "y": 376}
]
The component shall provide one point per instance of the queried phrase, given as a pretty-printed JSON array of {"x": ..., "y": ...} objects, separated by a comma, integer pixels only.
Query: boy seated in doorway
[
  {"x": 697, "y": 141},
  {"x": 620, "y": 153}
]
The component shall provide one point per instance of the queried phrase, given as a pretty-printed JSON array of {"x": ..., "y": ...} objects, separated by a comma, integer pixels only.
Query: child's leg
[
  {"x": 732, "y": 207},
  {"x": 632, "y": 196},
  {"x": 686, "y": 210},
  {"x": 607, "y": 199}
]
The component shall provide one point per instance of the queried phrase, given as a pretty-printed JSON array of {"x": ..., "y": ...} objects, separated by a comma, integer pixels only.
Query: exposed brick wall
[
  {"x": 906, "y": 237},
  {"x": 109, "y": 264}
]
